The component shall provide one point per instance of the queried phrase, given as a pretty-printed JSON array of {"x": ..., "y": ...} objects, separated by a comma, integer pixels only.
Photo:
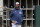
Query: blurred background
[{"x": 31, "y": 11}]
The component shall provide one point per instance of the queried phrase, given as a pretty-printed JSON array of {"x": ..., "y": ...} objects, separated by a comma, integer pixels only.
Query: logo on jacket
[{"x": 20, "y": 12}]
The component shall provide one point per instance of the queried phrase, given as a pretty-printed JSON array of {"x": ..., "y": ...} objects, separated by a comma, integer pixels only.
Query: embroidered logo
[{"x": 20, "y": 12}]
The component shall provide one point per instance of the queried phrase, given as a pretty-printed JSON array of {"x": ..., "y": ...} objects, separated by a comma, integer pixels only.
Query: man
[{"x": 16, "y": 16}]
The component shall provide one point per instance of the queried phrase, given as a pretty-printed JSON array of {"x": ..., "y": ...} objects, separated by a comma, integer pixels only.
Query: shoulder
[
  {"x": 13, "y": 10},
  {"x": 21, "y": 10}
]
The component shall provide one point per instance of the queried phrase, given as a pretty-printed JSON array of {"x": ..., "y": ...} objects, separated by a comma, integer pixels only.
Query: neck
[{"x": 17, "y": 9}]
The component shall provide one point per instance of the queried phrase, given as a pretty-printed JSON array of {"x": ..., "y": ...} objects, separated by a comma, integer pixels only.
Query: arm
[
  {"x": 10, "y": 16},
  {"x": 22, "y": 14}
]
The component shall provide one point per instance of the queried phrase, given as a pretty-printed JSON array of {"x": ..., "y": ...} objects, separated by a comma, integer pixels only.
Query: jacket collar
[{"x": 15, "y": 8}]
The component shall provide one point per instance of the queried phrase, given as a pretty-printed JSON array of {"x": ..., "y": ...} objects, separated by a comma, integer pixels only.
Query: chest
[{"x": 17, "y": 12}]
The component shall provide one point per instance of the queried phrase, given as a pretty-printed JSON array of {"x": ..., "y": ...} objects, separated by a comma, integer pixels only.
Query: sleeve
[
  {"x": 10, "y": 16},
  {"x": 22, "y": 14}
]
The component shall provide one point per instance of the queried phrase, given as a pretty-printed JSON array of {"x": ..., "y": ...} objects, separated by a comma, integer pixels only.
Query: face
[{"x": 17, "y": 6}]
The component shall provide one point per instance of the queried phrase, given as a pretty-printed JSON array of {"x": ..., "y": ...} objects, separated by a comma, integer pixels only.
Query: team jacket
[{"x": 16, "y": 15}]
